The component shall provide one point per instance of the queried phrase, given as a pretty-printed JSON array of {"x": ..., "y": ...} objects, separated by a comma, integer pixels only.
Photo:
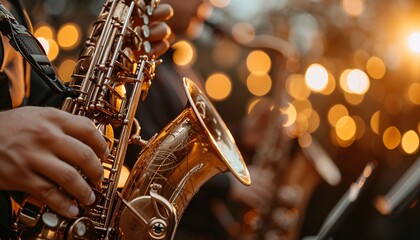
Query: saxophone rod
[
  {"x": 340, "y": 210},
  {"x": 323, "y": 163},
  {"x": 402, "y": 193}
]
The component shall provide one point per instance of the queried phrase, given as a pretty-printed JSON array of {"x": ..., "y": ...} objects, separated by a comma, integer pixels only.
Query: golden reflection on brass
[{"x": 171, "y": 169}]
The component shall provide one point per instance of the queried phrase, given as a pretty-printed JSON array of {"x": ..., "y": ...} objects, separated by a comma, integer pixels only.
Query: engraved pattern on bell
[{"x": 172, "y": 147}]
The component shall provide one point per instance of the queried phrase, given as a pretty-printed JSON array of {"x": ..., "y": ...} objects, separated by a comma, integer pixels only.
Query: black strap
[{"x": 25, "y": 43}]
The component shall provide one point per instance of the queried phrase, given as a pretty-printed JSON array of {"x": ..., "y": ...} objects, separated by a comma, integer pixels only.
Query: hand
[
  {"x": 40, "y": 149},
  {"x": 159, "y": 30},
  {"x": 259, "y": 193}
]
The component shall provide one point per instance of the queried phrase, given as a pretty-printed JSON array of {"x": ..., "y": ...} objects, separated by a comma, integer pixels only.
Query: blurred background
[{"x": 348, "y": 73}]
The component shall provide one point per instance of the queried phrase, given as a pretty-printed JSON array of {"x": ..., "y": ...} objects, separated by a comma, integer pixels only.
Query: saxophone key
[
  {"x": 274, "y": 234},
  {"x": 285, "y": 218},
  {"x": 145, "y": 30},
  {"x": 50, "y": 219},
  {"x": 147, "y": 46},
  {"x": 291, "y": 195},
  {"x": 82, "y": 228},
  {"x": 145, "y": 19}
]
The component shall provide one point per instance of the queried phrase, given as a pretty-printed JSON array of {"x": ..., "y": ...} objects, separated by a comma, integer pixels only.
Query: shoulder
[{"x": 17, "y": 9}]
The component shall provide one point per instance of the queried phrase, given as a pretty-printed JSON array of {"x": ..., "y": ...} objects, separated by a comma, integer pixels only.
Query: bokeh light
[
  {"x": 252, "y": 103},
  {"x": 44, "y": 43},
  {"x": 53, "y": 49},
  {"x": 259, "y": 84},
  {"x": 353, "y": 99},
  {"x": 344, "y": 79},
  {"x": 68, "y": 36},
  {"x": 65, "y": 69},
  {"x": 184, "y": 53},
  {"x": 218, "y": 86},
  {"x": 304, "y": 107},
  {"x": 219, "y": 3},
  {"x": 336, "y": 112},
  {"x": 258, "y": 61},
  {"x": 375, "y": 122},
  {"x": 376, "y": 68},
  {"x": 330, "y": 87},
  {"x": 360, "y": 127},
  {"x": 296, "y": 87},
  {"x": 413, "y": 93},
  {"x": 316, "y": 77},
  {"x": 410, "y": 142},
  {"x": 301, "y": 125},
  {"x": 357, "y": 81},
  {"x": 45, "y": 31},
  {"x": 414, "y": 42},
  {"x": 353, "y": 8},
  {"x": 345, "y": 128},
  {"x": 391, "y": 137},
  {"x": 314, "y": 121},
  {"x": 305, "y": 140},
  {"x": 290, "y": 115}
]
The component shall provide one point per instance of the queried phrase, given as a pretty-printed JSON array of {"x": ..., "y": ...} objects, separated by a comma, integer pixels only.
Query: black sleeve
[{"x": 5, "y": 215}]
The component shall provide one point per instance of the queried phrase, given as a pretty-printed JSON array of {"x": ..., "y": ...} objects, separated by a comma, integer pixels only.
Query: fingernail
[
  {"x": 91, "y": 199},
  {"x": 73, "y": 211},
  {"x": 106, "y": 154}
]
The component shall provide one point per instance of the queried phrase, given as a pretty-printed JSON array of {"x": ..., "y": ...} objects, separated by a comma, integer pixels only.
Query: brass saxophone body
[
  {"x": 171, "y": 167},
  {"x": 176, "y": 163}
]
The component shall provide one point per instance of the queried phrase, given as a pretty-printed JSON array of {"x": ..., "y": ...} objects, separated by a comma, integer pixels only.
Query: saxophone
[{"x": 110, "y": 78}]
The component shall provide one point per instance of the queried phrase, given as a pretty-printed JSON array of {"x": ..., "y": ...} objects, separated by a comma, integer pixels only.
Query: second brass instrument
[{"x": 296, "y": 171}]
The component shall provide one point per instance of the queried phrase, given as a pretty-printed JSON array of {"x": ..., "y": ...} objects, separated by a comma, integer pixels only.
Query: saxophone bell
[{"x": 173, "y": 166}]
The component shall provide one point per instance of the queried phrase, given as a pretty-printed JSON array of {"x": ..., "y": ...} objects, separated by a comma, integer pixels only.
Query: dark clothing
[
  {"x": 5, "y": 215},
  {"x": 5, "y": 99},
  {"x": 14, "y": 71}
]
